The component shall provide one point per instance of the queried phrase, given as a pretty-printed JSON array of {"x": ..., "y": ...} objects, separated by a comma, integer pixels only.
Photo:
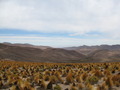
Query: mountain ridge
[
  {"x": 27, "y": 52},
  {"x": 86, "y": 50},
  {"x": 19, "y": 53},
  {"x": 26, "y": 45}
]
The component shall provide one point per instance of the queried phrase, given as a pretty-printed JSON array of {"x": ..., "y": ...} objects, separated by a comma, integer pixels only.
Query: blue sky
[{"x": 60, "y": 23}]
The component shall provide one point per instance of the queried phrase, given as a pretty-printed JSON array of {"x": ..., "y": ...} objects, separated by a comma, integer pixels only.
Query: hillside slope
[
  {"x": 26, "y": 45},
  {"x": 38, "y": 55},
  {"x": 89, "y": 49},
  {"x": 19, "y": 53},
  {"x": 105, "y": 55}
]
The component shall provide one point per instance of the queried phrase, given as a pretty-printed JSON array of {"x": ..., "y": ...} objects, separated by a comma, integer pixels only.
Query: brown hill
[
  {"x": 61, "y": 55},
  {"x": 105, "y": 55},
  {"x": 92, "y": 54},
  {"x": 18, "y": 53},
  {"x": 89, "y": 49},
  {"x": 26, "y": 45}
]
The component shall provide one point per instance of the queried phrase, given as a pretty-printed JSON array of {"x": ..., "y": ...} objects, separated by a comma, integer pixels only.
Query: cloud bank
[{"x": 75, "y": 17}]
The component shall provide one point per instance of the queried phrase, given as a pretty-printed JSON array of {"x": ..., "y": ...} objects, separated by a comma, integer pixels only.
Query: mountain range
[{"x": 80, "y": 54}]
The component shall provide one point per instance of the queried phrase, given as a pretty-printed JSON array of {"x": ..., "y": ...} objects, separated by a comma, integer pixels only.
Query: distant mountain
[
  {"x": 89, "y": 49},
  {"x": 105, "y": 55},
  {"x": 19, "y": 53},
  {"x": 26, "y": 45},
  {"x": 31, "y": 53}
]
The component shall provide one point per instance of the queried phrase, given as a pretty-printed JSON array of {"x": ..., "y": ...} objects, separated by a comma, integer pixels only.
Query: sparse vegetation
[
  {"x": 57, "y": 87},
  {"x": 92, "y": 80},
  {"x": 59, "y": 76}
]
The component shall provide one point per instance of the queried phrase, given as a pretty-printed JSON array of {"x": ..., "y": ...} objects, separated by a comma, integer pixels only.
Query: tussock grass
[{"x": 59, "y": 76}]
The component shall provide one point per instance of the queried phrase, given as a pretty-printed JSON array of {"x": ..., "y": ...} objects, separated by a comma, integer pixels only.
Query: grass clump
[
  {"x": 102, "y": 87},
  {"x": 50, "y": 86},
  {"x": 80, "y": 86},
  {"x": 73, "y": 88},
  {"x": 69, "y": 78},
  {"x": 109, "y": 82},
  {"x": 116, "y": 80},
  {"x": 84, "y": 76},
  {"x": 46, "y": 78},
  {"x": 42, "y": 85},
  {"x": 57, "y": 87},
  {"x": 98, "y": 74},
  {"x": 92, "y": 80},
  {"x": 53, "y": 79}
]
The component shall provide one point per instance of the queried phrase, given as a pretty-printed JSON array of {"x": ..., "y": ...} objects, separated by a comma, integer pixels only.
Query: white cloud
[{"x": 72, "y": 16}]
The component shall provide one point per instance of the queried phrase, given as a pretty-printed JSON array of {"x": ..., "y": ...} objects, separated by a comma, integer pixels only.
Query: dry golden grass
[{"x": 59, "y": 76}]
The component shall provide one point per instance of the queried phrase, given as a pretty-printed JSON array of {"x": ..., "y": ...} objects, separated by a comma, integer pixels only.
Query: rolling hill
[
  {"x": 26, "y": 45},
  {"x": 19, "y": 53},
  {"x": 86, "y": 50},
  {"x": 105, "y": 55},
  {"x": 31, "y": 53}
]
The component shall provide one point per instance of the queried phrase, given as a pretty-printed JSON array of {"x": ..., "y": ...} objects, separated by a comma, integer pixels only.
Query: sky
[{"x": 60, "y": 23}]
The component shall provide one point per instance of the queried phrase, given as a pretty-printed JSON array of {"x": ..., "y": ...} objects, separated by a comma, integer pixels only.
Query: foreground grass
[{"x": 59, "y": 76}]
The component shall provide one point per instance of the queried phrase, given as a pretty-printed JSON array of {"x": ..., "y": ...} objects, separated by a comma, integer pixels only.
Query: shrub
[
  {"x": 103, "y": 87},
  {"x": 13, "y": 87},
  {"x": 57, "y": 87},
  {"x": 78, "y": 79},
  {"x": 92, "y": 80},
  {"x": 1, "y": 84},
  {"x": 89, "y": 86},
  {"x": 69, "y": 78},
  {"x": 73, "y": 88},
  {"x": 49, "y": 86},
  {"x": 64, "y": 74},
  {"x": 107, "y": 73},
  {"x": 80, "y": 86},
  {"x": 24, "y": 85},
  {"x": 109, "y": 82},
  {"x": 53, "y": 79},
  {"x": 116, "y": 80},
  {"x": 60, "y": 79},
  {"x": 43, "y": 85},
  {"x": 84, "y": 76},
  {"x": 36, "y": 79},
  {"x": 98, "y": 74},
  {"x": 46, "y": 78},
  {"x": 47, "y": 73}
]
